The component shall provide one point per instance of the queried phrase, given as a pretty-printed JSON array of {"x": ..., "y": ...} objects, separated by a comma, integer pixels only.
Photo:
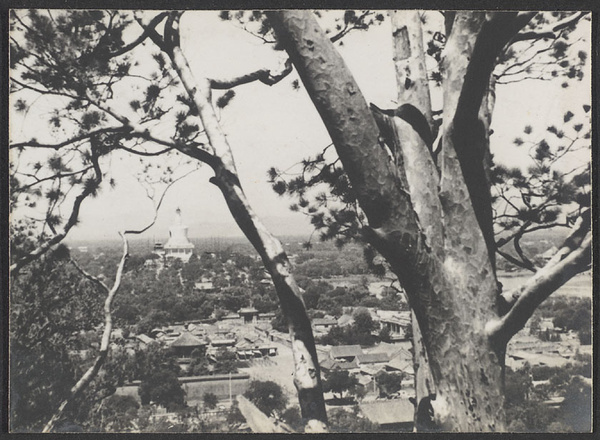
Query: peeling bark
[
  {"x": 449, "y": 279},
  {"x": 409, "y": 60}
]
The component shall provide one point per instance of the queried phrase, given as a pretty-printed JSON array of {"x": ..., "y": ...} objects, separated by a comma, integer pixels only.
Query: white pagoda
[{"x": 178, "y": 245}]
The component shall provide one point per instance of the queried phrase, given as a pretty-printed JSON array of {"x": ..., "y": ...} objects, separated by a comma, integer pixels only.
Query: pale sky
[{"x": 277, "y": 126}]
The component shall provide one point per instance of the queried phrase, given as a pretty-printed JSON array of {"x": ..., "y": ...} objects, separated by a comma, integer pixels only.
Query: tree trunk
[{"x": 425, "y": 228}]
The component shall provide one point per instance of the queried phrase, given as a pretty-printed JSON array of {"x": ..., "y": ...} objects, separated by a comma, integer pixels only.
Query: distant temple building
[{"x": 178, "y": 245}]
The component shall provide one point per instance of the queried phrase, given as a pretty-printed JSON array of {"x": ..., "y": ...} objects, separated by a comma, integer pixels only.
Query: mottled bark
[
  {"x": 409, "y": 60},
  {"x": 432, "y": 241},
  {"x": 307, "y": 378},
  {"x": 380, "y": 184},
  {"x": 471, "y": 51}
]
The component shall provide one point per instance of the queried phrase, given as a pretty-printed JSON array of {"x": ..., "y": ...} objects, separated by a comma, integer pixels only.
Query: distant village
[{"x": 250, "y": 336}]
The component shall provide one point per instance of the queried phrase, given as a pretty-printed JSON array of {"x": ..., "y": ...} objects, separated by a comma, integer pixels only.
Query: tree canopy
[{"x": 412, "y": 177}]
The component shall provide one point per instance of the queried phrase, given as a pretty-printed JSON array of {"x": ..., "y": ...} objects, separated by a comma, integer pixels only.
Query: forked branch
[
  {"x": 93, "y": 370},
  {"x": 573, "y": 257}
]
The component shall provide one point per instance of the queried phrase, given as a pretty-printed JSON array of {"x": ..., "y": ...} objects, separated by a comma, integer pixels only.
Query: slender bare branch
[
  {"x": 53, "y": 177},
  {"x": 91, "y": 373},
  {"x": 89, "y": 276},
  {"x": 517, "y": 245},
  {"x": 157, "y": 208},
  {"x": 514, "y": 260},
  {"x": 306, "y": 376}
]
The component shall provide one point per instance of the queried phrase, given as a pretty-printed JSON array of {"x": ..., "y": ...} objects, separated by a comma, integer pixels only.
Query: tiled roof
[
  {"x": 187, "y": 340},
  {"x": 345, "y": 351},
  {"x": 331, "y": 364},
  {"x": 372, "y": 358},
  {"x": 145, "y": 339}
]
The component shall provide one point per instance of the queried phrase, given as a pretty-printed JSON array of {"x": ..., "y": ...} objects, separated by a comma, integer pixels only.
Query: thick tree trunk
[{"x": 432, "y": 240}]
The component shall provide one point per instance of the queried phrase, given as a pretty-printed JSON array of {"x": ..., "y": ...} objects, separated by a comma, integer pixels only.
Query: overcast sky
[{"x": 277, "y": 126}]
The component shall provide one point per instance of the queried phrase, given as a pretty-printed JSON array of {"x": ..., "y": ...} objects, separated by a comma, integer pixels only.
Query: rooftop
[
  {"x": 345, "y": 351},
  {"x": 324, "y": 321},
  {"x": 187, "y": 340},
  {"x": 331, "y": 364},
  {"x": 372, "y": 358}
]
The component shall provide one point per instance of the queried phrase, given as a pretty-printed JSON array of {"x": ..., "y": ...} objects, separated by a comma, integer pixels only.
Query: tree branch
[
  {"x": 73, "y": 218},
  {"x": 35, "y": 144},
  {"x": 55, "y": 176},
  {"x": 549, "y": 31},
  {"x": 381, "y": 188},
  {"x": 513, "y": 260},
  {"x": 539, "y": 287},
  {"x": 157, "y": 207},
  {"x": 517, "y": 245},
  {"x": 151, "y": 31},
  {"x": 466, "y": 131},
  {"x": 409, "y": 60},
  {"x": 89, "y": 276},
  {"x": 263, "y": 75},
  {"x": 91, "y": 373},
  {"x": 150, "y": 27}
]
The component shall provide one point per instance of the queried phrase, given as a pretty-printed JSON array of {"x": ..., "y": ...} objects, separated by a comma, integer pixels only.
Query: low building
[
  {"x": 145, "y": 339},
  {"x": 266, "y": 317},
  {"x": 328, "y": 365},
  {"x": 255, "y": 349},
  {"x": 391, "y": 415},
  {"x": 231, "y": 317},
  {"x": 517, "y": 359},
  {"x": 204, "y": 286},
  {"x": 403, "y": 362},
  {"x": 398, "y": 324},
  {"x": 224, "y": 386},
  {"x": 323, "y": 324},
  {"x": 372, "y": 358},
  {"x": 345, "y": 320},
  {"x": 346, "y": 353},
  {"x": 186, "y": 343},
  {"x": 249, "y": 315}
]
